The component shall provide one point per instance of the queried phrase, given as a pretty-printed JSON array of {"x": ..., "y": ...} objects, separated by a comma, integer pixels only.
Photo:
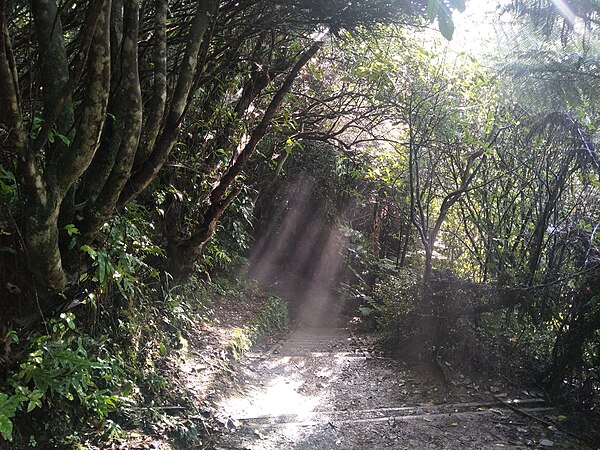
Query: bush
[
  {"x": 58, "y": 366},
  {"x": 394, "y": 298},
  {"x": 273, "y": 317}
]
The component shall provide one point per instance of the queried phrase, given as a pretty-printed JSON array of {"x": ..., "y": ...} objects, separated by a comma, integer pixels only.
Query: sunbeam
[
  {"x": 299, "y": 255},
  {"x": 565, "y": 10}
]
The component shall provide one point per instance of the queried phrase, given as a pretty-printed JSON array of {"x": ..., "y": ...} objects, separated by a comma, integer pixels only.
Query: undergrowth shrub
[
  {"x": 63, "y": 364},
  {"x": 394, "y": 298},
  {"x": 273, "y": 317},
  {"x": 511, "y": 345},
  {"x": 121, "y": 259},
  {"x": 188, "y": 302}
]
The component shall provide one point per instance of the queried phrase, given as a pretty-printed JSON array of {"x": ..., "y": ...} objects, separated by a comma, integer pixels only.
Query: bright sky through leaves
[{"x": 475, "y": 27}]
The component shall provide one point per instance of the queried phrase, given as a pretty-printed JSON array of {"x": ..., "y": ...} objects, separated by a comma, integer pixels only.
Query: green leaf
[
  {"x": 446, "y": 25},
  {"x": 6, "y": 428},
  {"x": 366, "y": 311},
  {"x": 68, "y": 318},
  {"x": 101, "y": 268},
  {"x": 89, "y": 250},
  {"x": 433, "y": 7},
  {"x": 64, "y": 138},
  {"x": 13, "y": 336},
  {"x": 8, "y": 408},
  {"x": 71, "y": 229},
  {"x": 31, "y": 406}
]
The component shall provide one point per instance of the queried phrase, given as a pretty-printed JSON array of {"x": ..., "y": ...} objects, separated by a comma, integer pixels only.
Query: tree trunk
[
  {"x": 128, "y": 121},
  {"x": 156, "y": 109},
  {"x": 41, "y": 235},
  {"x": 184, "y": 253},
  {"x": 54, "y": 62},
  {"x": 149, "y": 169},
  {"x": 376, "y": 227},
  {"x": 45, "y": 191}
]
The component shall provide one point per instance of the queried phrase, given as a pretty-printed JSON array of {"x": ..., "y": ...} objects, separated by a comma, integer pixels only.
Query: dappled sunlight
[
  {"x": 278, "y": 396},
  {"x": 288, "y": 393},
  {"x": 287, "y": 388}
]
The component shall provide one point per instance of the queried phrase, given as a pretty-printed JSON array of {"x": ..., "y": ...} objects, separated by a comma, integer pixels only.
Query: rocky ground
[
  {"x": 323, "y": 385},
  {"x": 322, "y": 388}
]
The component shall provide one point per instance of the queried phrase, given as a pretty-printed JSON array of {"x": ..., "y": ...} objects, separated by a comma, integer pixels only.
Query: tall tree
[{"x": 92, "y": 126}]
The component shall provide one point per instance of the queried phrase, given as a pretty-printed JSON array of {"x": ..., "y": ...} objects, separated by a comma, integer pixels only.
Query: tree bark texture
[
  {"x": 68, "y": 163},
  {"x": 150, "y": 168},
  {"x": 128, "y": 124},
  {"x": 54, "y": 62}
]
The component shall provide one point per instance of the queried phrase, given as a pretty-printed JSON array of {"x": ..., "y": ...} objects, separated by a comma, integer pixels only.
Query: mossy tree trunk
[{"x": 90, "y": 146}]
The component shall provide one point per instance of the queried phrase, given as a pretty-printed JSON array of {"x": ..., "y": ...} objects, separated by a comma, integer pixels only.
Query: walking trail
[{"x": 322, "y": 388}]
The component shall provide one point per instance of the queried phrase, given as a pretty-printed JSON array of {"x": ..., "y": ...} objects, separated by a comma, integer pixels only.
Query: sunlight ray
[{"x": 565, "y": 10}]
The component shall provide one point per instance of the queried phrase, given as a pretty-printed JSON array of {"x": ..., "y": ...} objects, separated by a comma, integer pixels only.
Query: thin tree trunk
[
  {"x": 156, "y": 108},
  {"x": 54, "y": 62},
  {"x": 69, "y": 164},
  {"x": 152, "y": 166},
  {"x": 130, "y": 123}
]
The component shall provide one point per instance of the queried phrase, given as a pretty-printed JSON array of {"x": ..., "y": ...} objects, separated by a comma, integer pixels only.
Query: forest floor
[{"x": 322, "y": 386}]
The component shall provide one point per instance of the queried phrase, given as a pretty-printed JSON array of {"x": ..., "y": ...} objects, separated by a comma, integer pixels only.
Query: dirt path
[{"x": 320, "y": 389}]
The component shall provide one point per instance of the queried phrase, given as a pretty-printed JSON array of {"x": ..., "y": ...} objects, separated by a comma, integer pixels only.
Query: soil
[{"x": 323, "y": 387}]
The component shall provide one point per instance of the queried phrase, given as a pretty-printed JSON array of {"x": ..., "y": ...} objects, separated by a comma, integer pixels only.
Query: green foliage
[
  {"x": 120, "y": 260},
  {"x": 363, "y": 270},
  {"x": 232, "y": 237},
  {"x": 9, "y": 404},
  {"x": 188, "y": 302},
  {"x": 515, "y": 341},
  {"x": 273, "y": 317},
  {"x": 8, "y": 186},
  {"x": 240, "y": 342},
  {"x": 395, "y": 297},
  {"x": 361, "y": 260},
  {"x": 404, "y": 114},
  {"x": 36, "y": 126},
  {"x": 59, "y": 365},
  {"x": 155, "y": 382}
]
